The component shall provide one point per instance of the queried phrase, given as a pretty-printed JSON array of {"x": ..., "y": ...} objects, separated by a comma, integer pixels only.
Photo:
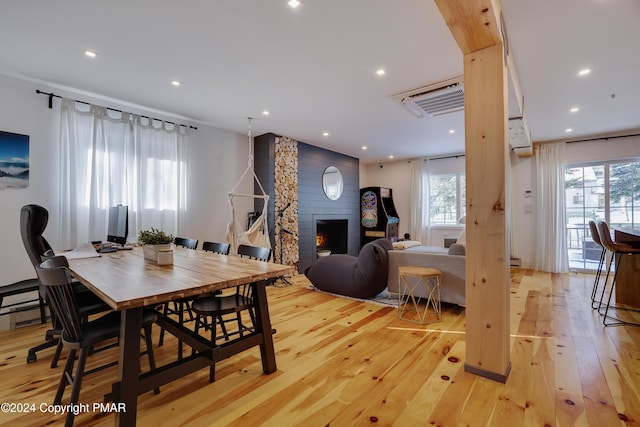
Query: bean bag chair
[{"x": 364, "y": 276}]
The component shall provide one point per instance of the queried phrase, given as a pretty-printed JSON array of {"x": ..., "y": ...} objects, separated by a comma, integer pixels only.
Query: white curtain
[
  {"x": 551, "y": 245},
  {"x": 419, "y": 222},
  {"x": 110, "y": 158}
]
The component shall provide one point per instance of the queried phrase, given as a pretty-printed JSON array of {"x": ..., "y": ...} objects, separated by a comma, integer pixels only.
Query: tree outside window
[
  {"x": 604, "y": 191},
  {"x": 447, "y": 199}
]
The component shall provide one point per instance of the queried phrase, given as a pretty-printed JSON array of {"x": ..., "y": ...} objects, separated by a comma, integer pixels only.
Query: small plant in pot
[
  {"x": 154, "y": 241},
  {"x": 154, "y": 237}
]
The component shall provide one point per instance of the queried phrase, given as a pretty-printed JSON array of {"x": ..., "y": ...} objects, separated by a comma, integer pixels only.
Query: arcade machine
[{"x": 378, "y": 216}]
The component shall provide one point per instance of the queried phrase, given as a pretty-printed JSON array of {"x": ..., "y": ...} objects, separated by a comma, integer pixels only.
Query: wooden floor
[{"x": 348, "y": 363}]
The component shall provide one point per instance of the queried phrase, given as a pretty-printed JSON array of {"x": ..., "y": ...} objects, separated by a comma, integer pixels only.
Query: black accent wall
[{"x": 312, "y": 203}]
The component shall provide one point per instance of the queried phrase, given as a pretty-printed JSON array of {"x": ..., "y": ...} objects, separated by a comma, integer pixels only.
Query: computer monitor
[{"x": 118, "y": 229}]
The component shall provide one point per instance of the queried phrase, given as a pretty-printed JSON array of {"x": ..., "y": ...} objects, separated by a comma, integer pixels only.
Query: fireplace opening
[{"x": 332, "y": 235}]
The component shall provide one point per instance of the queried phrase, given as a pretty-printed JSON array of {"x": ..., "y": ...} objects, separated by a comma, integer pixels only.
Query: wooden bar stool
[{"x": 412, "y": 279}]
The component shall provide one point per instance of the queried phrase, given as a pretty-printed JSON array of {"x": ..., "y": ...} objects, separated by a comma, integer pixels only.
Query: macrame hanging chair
[{"x": 258, "y": 232}]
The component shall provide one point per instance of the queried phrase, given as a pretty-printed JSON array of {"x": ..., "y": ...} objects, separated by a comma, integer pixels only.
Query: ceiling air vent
[{"x": 434, "y": 100}]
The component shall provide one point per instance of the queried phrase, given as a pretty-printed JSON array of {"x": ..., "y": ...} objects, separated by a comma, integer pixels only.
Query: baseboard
[
  {"x": 501, "y": 378},
  {"x": 17, "y": 318}
]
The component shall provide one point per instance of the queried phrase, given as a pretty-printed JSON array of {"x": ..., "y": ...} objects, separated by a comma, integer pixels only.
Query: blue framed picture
[{"x": 14, "y": 160}]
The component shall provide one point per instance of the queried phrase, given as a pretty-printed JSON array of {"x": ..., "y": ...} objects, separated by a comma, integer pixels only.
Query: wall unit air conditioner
[{"x": 434, "y": 100}]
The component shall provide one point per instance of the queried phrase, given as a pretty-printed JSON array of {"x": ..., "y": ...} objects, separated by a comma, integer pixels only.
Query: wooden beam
[{"x": 474, "y": 25}]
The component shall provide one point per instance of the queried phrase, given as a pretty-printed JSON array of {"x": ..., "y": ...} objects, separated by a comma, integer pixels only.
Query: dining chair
[
  {"x": 186, "y": 242},
  {"x": 618, "y": 251},
  {"x": 178, "y": 307},
  {"x": 220, "y": 248},
  {"x": 216, "y": 307},
  {"x": 595, "y": 236},
  {"x": 78, "y": 336},
  {"x": 33, "y": 222}
]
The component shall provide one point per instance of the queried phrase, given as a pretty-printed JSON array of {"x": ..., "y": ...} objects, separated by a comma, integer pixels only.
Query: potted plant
[{"x": 153, "y": 242}]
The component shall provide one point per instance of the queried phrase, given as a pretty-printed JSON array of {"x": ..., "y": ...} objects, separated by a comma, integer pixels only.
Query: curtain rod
[
  {"x": 567, "y": 142},
  {"x": 454, "y": 156},
  {"x": 603, "y": 138},
  {"x": 52, "y": 95}
]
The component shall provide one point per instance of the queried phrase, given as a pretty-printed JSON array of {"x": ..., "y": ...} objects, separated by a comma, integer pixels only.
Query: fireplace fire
[
  {"x": 332, "y": 235},
  {"x": 321, "y": 240}
]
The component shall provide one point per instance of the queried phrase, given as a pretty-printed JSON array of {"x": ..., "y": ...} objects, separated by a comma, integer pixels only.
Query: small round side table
[{"x": 410, "y": 305}]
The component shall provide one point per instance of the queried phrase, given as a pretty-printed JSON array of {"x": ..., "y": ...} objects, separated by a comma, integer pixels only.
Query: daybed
[{"x": 452, "y": 266}]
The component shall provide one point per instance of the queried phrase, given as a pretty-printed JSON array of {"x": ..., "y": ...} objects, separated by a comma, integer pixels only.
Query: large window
[
  {"x": 121, "y": 159},
  {"x": 605, "y": 191},
  {"x": 446, "y": 198}
]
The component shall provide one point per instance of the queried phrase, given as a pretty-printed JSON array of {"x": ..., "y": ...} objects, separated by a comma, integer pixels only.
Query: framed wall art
[{"x": 14, "y": 160}]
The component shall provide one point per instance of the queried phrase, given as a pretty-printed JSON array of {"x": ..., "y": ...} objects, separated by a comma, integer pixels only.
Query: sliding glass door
[{"x": 605, "y": 191}]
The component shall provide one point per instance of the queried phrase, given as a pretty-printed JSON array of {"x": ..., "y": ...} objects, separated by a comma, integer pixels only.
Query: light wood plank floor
[{"x": 348, "y": 363}]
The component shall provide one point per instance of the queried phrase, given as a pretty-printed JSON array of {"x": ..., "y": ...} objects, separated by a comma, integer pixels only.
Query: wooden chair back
[
  {"x": 186, "y": 242},
  {"x": 254, "y": 252},
  {"x": 56, "y": 279},
  {"x": 220, "y": 248}
]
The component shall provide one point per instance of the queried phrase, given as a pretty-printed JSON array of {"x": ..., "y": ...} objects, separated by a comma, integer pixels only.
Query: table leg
[
  {"x": 267, "y": 350},
  {"x": 129, "y": 365}
]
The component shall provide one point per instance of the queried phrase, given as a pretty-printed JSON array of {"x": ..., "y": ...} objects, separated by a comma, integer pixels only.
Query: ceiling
[{"x": 314, "y": 67}]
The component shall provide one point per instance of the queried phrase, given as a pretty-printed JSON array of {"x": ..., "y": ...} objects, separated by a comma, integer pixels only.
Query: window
[
  {"x": 446, "y": 198},
  {"x": 125, "y": 160},
  {"x": 606, "y": 191}
]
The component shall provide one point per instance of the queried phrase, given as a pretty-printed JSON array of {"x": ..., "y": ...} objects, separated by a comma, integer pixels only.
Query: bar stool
[
  {"x": 618, "y": 250},
  {"x": 412, "y": 279},
  {"x": 595, "y": 236}
]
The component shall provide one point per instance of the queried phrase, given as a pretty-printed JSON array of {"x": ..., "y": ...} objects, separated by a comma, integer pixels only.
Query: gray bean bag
[{"x": 364, "y": 276}]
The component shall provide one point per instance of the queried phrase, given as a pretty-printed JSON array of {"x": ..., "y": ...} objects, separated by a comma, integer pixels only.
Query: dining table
[{"x": 129, "y": 283}]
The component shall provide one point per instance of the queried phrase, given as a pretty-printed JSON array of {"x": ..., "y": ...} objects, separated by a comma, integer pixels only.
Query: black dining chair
[
  {"x": 218, "y": 306},
  {"x": 33, "y": 222},
  {"x": 178, "y": 307},
  {"x": 595, "y": 236},
  {"x": 77, "y": 335},
  {"x": 219, "y": 248},
  {"x": 186, "y": 242},
  {"x": 618, "y": 252}
]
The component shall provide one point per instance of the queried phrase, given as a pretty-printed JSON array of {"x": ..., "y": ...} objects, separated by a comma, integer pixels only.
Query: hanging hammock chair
[{"x": 258, "y": 232}]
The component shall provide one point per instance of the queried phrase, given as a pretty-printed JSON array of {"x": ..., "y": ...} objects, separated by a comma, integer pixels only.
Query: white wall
[
  {"x": 217, "y": 160},
  {"x": 396, "y": 175}
]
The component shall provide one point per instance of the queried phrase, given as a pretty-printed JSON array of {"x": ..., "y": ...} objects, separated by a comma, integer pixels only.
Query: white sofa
[{"x": 452, "y": 287}]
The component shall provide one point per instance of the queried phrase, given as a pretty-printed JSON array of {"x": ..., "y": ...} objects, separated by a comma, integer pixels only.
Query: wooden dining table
[{"x": 128, "y": 283}]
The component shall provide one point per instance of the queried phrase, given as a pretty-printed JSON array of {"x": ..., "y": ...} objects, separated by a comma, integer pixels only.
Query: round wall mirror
[{"x": 332, "y": 183}]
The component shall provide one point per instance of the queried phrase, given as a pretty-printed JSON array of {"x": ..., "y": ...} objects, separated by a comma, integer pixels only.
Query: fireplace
[{"x": 332, "y": 235}]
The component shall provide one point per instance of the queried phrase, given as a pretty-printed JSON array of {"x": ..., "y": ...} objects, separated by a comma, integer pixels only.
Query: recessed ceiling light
[
  {"x": 293, "y": 3},
  {"x": 90, "y": 53},
  {"x": 175, "y": 82},
  {"x": 574, "y": 109},
  {"x": 584, "y": 72},
  {"x": 325, "y": 134},
  {"x": 391, "y": 156},
  {"x": 568, "y": 130},
  {"x": 452, "y": 131},
  {"x": 364, "y": 147},
  {"x": 381, "y": 72},
  {"x": 265, "y": 113}
]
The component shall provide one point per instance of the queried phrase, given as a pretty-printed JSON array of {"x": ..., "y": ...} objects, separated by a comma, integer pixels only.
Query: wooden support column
[{"x": 475, "y": 26}]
